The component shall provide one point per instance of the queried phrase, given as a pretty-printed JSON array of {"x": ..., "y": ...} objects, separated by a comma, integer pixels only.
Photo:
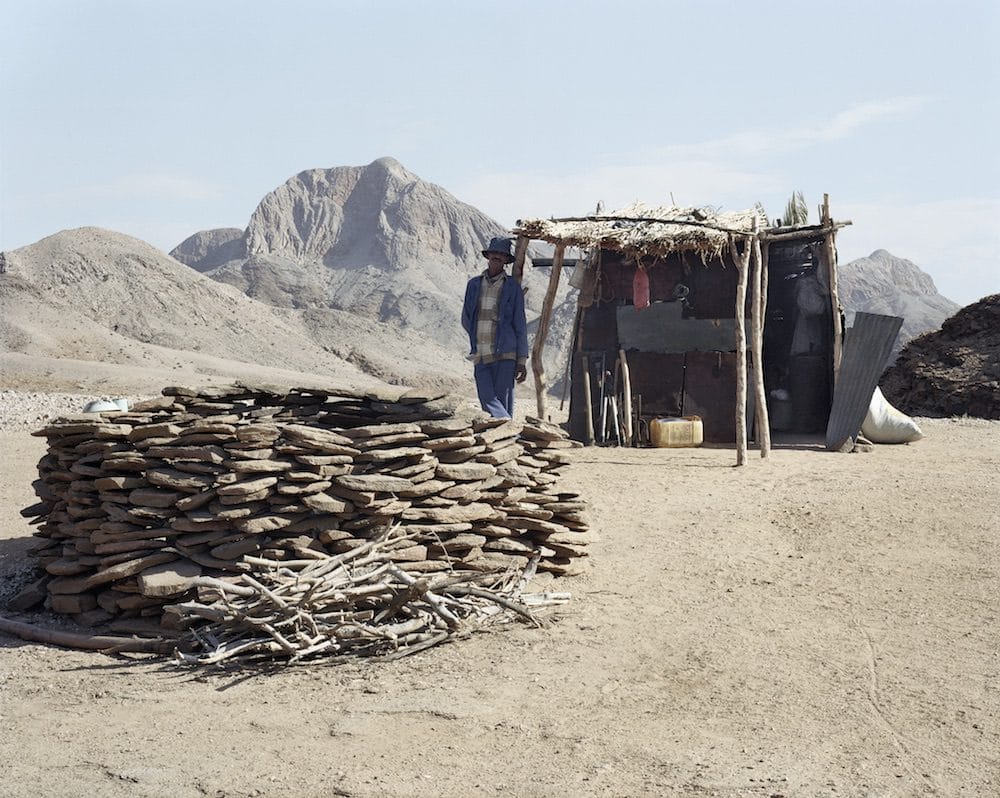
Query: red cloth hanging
[{"x": 640, "y": 288}]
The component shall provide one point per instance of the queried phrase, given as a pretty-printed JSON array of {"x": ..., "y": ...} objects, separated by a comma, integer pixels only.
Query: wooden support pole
[
  {"x": 537, "y": 366},
  {"x": 830, "y": 256},
  {"x": 757, "y": 303},
  {"x": 520, "y": 252},
  {"x": 742, "y": 263},
  {"x": 588, "y": 408},
  {"x": 627, "y": 397}
]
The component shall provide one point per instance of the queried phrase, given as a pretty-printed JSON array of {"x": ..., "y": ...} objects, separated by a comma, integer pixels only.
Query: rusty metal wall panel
[
  {"x": 662, "y": 328},
  {"x": 710, "y": 392},
  {"x": 712, "y": 291},
  {"x": 664, "y": 275},
  {"x": 615, "y": 280},
  {"x": 599, "y": 327},
  {"x": 867, "y": 346}
]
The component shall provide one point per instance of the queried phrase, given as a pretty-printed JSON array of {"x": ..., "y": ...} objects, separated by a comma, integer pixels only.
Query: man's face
[{"x": 496, "y": 261}]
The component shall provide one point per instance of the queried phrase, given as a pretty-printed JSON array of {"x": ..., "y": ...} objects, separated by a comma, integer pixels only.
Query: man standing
[{"x": 493, "y": 316}]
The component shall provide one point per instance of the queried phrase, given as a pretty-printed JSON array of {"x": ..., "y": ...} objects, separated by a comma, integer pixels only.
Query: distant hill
[
  {"x": 95, "y": 295},
  {"x": 883, "y": 283},
  {"x": 210, "y": 248}
]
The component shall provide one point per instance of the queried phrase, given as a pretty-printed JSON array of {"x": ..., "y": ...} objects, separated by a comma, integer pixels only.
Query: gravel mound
[{"x": 954, "y": 371}]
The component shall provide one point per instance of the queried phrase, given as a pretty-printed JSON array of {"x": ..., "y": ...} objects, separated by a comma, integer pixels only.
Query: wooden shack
[{"x": 678, "y": 306}]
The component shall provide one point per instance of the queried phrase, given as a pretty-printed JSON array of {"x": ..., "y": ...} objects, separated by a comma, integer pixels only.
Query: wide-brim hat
[{"x": 501, "y": 245}]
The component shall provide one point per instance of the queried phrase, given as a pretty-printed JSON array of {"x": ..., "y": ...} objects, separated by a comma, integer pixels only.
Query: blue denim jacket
[{"x": 512, "y": 329}]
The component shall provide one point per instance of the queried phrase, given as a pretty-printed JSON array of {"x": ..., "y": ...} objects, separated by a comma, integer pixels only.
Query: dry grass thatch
[{"x": 639, "y": 230}]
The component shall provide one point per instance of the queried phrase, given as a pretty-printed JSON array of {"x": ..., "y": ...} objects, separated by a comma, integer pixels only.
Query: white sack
[{"x": 885, "y": 424}]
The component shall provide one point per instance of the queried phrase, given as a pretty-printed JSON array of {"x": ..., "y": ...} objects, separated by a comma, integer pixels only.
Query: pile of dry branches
[{"x": 357, "y": 604}]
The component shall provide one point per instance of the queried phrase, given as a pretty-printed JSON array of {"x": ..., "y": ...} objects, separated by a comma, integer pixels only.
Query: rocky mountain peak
[
  {"x": 887, "y": 284},
  {"x": 887, "y": 273},
  {"x": 340, "y": 216}
]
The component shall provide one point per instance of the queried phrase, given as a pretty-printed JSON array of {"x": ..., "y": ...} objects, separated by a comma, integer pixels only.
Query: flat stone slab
[
  {"x": 151, "y": 497},
  {"x": 376, "y": 430},
  {"x": 324, "y": 459},
  {"x": 168, "y": 579},
  {"x": 205, "y": 454},
  {"x": 373, "y": 482},
  {"x": 143, "y": 431},
  {"x": 178, "y": 480},
  {"x": 572, "y": 538},
  {"x": 387, "y": 455},
  {"x": 475, "y": 511},
  {"x": 501, "y": 456},
  {"x": 246, "y": 488},
  {"x": 446, "y": 427},
  {"x": 427, "y": 488},
  {"x": 258, "y": 466},
  {"x": 235, "y": 549},
  {"x": 321, "y": 439},
  {"x": 119, "y": 483},
  {"x": 265, "y": 523},
  {"x": 325, "y": 503},
  {"x": 392, "y": 440},
  {"x": 460, "y": 541},
  {"x": 464, "y": 472},
  {"x": 304, "y": 488},
  {"x": 542, "y": 430},
  {"x": 451, "y": 442},
  {"x": 257, "y": 434},
  {"x": 511, "y": 429}
]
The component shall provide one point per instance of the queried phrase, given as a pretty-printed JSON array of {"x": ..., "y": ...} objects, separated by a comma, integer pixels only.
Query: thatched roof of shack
[{"x": 638, "y": 230}]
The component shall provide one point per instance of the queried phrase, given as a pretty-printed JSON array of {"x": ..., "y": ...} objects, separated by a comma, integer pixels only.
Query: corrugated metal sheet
[{"x": 866, "y": 349}]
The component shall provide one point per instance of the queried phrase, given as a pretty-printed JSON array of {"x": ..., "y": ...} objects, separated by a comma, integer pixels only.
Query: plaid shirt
[{"x": 486, "y": 321}]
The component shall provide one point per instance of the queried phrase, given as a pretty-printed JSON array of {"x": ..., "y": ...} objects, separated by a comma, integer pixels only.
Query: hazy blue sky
[{"x": 159, "y": 119}]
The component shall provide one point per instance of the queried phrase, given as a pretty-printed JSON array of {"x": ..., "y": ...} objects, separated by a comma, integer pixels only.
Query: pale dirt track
[{"x": 819, "y": 625}]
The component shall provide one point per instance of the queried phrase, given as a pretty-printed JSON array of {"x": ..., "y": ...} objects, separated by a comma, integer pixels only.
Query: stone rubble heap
[{"x": 135, "y": 506}]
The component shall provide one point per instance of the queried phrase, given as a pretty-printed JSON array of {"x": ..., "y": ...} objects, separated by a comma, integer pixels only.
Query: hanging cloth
[{"x": 640, "y": 288}]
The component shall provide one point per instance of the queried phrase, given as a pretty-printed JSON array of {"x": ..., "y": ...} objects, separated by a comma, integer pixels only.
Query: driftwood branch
[{"x": 106, "y": 643}]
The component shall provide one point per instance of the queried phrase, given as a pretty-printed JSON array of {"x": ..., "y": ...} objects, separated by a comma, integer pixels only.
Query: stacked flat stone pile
[{"x": 134, "y": 506}]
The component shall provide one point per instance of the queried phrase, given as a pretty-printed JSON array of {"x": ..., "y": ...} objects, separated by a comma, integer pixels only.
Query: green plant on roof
[{"x": 796, "y": 211}]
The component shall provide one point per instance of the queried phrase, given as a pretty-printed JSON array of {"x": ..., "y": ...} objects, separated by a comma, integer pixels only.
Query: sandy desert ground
[{"x": 815, "y": 625}]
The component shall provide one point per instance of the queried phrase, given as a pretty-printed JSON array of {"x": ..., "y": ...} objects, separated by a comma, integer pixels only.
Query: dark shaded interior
[{"x": 681, "y": 349}]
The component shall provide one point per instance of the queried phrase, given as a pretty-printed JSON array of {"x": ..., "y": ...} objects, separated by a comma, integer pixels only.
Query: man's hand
[{"x": 521, "y": 374}]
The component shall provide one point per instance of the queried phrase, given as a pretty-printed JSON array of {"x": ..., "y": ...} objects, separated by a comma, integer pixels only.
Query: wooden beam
[
  {"x": 830, "y": 256},
  {"x": 757, "y": 307},
  {"x": 537, "y": 366},
  {"x": 807, "y": 232},
  {"x": 520, "y": 251}
]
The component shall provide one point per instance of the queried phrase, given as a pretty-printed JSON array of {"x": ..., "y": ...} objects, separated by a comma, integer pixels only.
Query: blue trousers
[{"x": 495, "y": 386}]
